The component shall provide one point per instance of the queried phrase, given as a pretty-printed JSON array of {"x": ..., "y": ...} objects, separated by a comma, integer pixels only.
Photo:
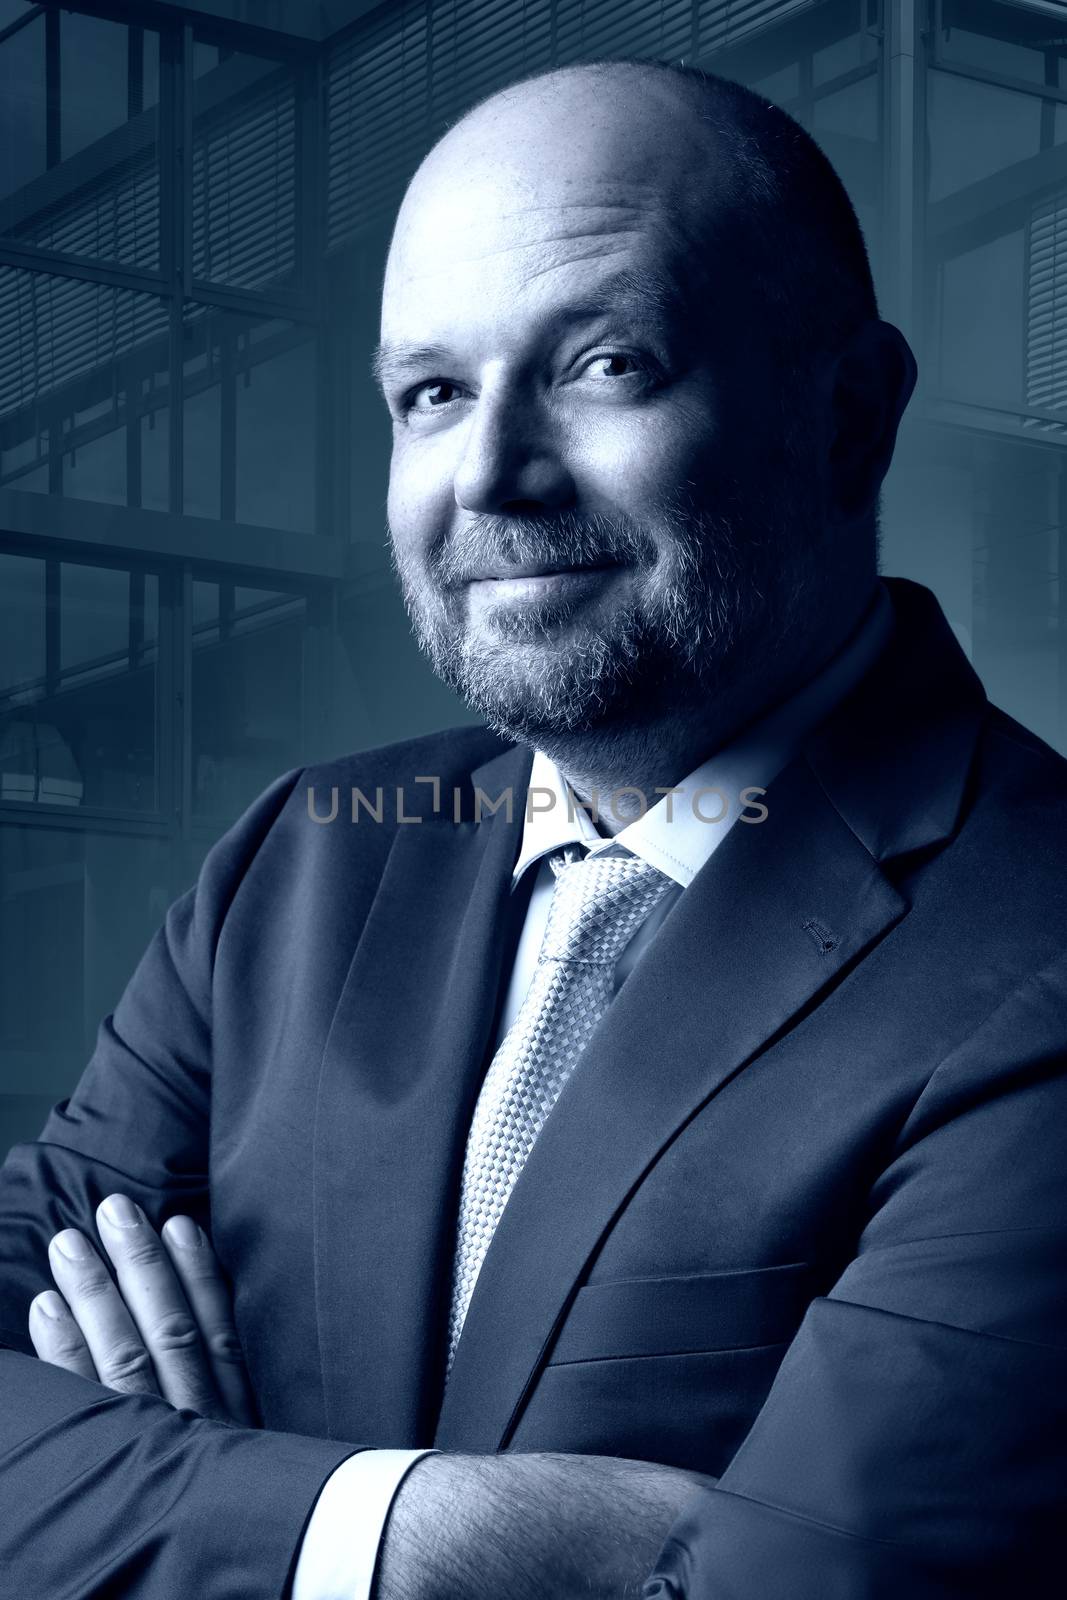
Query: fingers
[
  {"x": 56, "y": 1336},
  {"x": 208, "y": 1294},
  {"x": 111, "y": 1338},
  {"x": 157, "y": 1308},
  {"x": 163, "y": 1325}
]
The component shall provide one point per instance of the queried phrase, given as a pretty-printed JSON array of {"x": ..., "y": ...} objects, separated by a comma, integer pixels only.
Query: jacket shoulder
[
  {"x": 1020, "y": 773},
  {"x": 449, "y": 756}
]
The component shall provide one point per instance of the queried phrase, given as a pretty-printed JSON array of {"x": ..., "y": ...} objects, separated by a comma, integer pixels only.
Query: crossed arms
[{"x": 160, "y": 1323}]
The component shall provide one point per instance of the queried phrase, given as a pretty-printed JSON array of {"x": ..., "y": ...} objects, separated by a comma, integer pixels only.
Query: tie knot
[{"x": 598, "y": 904}]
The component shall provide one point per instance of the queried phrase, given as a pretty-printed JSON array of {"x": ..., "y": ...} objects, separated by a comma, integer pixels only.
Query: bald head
[{"x": 727, "y": 168}]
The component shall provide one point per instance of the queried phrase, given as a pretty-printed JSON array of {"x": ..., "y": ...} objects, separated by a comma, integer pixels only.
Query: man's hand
[{"x": 165, "y": 1327}]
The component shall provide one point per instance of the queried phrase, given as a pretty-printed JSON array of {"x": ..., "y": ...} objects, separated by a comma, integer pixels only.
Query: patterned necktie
[{"x": 597, "y": 906}]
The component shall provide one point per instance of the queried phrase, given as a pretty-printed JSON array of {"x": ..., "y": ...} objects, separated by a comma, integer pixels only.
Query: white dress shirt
[{"x": 677, "y": 834}]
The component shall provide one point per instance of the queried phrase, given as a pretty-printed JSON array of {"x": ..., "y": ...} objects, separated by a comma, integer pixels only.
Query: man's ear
[{"x": 873, "y": 381}]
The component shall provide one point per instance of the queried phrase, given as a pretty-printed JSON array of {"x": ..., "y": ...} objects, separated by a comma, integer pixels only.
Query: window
[
  {"x": 81, "y": 148},
  {"x": 250, "y": 421},
  {"x": 244, "y": 213},
  {"x": 78, "y": 685},
  {"x": 248, "y": 686}
]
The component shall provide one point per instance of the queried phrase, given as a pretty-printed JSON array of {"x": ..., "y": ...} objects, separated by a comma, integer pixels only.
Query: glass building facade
[{"x": 195, "y": 202}]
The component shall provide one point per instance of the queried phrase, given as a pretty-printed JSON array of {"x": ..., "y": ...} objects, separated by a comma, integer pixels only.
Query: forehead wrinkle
[
  {"x": 542, "y": 243},
  {"x": 598, "y": 253}
]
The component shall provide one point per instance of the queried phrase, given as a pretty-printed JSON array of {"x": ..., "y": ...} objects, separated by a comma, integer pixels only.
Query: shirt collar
[{"x": 682, "y": 830}]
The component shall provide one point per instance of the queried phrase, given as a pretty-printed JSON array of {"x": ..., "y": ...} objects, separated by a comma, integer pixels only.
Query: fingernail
[
  {"x": 74, "y": 1245},
  {"x": 184, "y": 1232},
  {"x": 51, "y": 1305},
  {"x": 121, "y": 1212}
]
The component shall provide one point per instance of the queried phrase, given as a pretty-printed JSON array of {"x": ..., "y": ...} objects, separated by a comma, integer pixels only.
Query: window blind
[
  {"x": 53, "y": 330},
  {"x": 116, "y": 218},
  {"x": 1046, "y": 321},
  {"x": 244, "y": 174}
]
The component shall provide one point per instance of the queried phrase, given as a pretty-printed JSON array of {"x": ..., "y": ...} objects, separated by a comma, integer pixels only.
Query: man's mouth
[
  {"x": 530, "y": 582},
  {"x": 541, "y": 568}
]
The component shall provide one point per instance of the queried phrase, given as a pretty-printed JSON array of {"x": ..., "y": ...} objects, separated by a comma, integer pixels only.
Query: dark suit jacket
[{"x": 799, "y": 1220}]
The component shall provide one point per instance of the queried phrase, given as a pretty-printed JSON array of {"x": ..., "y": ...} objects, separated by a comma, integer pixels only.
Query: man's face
[{"x": 595, "y": 509}]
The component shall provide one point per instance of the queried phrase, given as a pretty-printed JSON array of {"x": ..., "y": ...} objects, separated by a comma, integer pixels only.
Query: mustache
[{"x": 561, "y": 539}]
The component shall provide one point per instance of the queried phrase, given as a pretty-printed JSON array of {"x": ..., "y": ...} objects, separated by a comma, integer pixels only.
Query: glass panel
[
  {"x": 205, "y": 58},
  {"x": 276, "y": 435},
  {"x": 781, "y": 86},
  {"x": 249, "y": 445},
  {"x": 105, "y": 699},
  {"x": 982, "y": 311},
  {"x": 76, "y": 911},
  {"x": 975, "y": 515},
  {"x": 202, "y": 447},
  {"x": 994, "y": 55},
  {"x": 154, "y": 429},
  {"x": 977, "y": 129},
  {"x": 94, "y": 84},
  {"x": 855, "y": 50},
  {"x": 1019, "y": 616},
  {"x": 23, "y": 115},
  {"x": 78, "y": 685},
  {"x": 22, "y": 670},
  {"x": 12, "y": 10},
  {"x": 105, "y": 204},
  {"x": 23, "y": 451},
  {"x": 95, "y": 621},
  {"x": 852, "y": 111},
  {"x": 149, "y": 51},
  {"x": 998, "y": 38},
  {"x": 247, "y": 693},
  {"x": 96, "y": 469},
  {"x": 74, "y": 357},
  {"x": 244, "y": 170}
]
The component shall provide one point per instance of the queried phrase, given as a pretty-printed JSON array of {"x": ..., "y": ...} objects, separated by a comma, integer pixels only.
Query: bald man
[{"x": 636, "y": 1125}]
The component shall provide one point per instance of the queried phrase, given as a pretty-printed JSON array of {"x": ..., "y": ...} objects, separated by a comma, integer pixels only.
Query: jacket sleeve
[
  {"x": 111, "y": 1495},
  {"x": 915, "y": 1438}
]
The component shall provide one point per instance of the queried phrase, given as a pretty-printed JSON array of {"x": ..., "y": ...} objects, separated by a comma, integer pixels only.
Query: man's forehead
[
  {"x": 499, "y": 239},
  {"x": 572, "y": 155},
  {"x": 537, "y": 248},
  {"x": 496, "y": 208}
]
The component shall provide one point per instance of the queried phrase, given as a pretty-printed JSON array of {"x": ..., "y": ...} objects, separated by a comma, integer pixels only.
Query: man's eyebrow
[
  {"x": 391, "y": 362},
  {"x": 635, "y": 292}
]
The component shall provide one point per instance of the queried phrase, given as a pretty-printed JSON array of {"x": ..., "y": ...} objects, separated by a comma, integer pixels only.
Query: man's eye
[
  {"x": 614, "y": 364},
  {"x": 431, "y": 396}
]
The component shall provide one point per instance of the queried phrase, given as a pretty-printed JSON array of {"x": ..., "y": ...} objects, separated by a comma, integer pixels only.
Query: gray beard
[{"x": 717, "y": 598}]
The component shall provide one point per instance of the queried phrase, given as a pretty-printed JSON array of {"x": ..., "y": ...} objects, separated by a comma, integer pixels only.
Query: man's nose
[{"x": 511, "y": 461}]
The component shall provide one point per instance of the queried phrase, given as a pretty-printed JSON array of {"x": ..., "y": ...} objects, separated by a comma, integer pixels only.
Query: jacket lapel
[
  {"x": 400, "y": 1073},
  {"x": 776, "y": 916}
]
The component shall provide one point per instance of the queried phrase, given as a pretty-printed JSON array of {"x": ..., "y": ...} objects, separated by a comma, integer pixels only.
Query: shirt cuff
[{"x": 339, "y": 1551}]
